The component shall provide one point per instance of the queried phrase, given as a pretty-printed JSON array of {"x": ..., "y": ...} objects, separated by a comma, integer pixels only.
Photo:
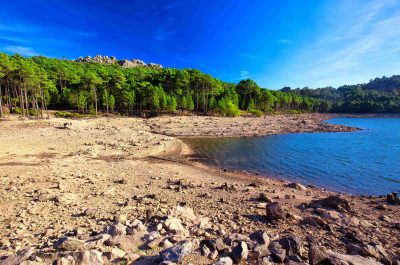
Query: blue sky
[{"x": 293, "y": 43}]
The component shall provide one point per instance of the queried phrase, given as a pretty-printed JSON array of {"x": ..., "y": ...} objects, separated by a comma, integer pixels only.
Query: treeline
[
  {"x": 380, "y": 95},
  {"x": 31, "y": 86}
]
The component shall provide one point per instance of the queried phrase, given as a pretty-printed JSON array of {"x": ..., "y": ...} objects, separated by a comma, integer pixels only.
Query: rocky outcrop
[{"x": 112, "y": 60}]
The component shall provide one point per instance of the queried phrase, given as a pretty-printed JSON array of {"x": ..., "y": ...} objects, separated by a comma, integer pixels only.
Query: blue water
[{"x": 362, "y": 162}]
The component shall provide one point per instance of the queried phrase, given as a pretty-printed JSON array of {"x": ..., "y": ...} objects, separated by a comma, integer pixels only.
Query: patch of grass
[
  {"x": 256, "y": 112},
  {"x": 68, "y": 115}
]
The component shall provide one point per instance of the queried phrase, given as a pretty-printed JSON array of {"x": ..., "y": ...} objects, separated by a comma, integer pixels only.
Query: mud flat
[{"x": 124, "y": 191}]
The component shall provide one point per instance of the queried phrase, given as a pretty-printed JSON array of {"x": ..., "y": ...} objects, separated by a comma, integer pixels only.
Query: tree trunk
[
  {"x": 26, "y": 100},
  {"x": 21, "y": 101},
  {"x": 1, "y": 103},
  {"x": 197, "y": 98},
  {"x": 95, "y": 98},
  {"x": 10, "y": 106}
]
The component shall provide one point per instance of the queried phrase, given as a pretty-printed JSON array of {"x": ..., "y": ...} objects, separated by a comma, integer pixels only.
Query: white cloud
[
  {"x": 352, "y": 49},
  {"x": 244, "y": 74},
  {"x": 246, "y": 55},
  {"x": 21, "y": 50},
  {"x": 284, "y": 41}
]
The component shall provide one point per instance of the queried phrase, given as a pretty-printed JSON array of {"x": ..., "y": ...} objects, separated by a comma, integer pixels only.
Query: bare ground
[{"x": 79, "y": 181}]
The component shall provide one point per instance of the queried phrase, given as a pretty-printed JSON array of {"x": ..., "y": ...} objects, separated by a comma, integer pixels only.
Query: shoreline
[
  {"x": 197, "y": 163},
  {"x": 104, "y": 177}
]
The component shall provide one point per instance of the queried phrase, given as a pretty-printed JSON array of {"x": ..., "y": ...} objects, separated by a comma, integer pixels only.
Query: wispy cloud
[
  {"x": 246, "y": 55},
  {"x": 27, "y": 51},
  {"x": 244, "y": 74},
  {"x": 284, "y": 41},
  {"x": 163, "y": 34},
  {"x": 19, "y": 28},
  {"x": 354, "y": 49}
]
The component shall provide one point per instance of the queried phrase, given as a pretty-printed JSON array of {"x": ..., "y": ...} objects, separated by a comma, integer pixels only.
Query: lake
[{"x": 362, "y": 162}]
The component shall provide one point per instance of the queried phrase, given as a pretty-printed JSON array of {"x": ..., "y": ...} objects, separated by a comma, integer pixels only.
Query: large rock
[
  {"x": 69, "y": 244},
  {"x": 174, "y": 224},
  {"x": 351, "y": 259},
  {"x": 261, "y": 251},
  {"x": 178, "y": 252},
  {"x": 315, "y": 222},
  {"x": 260, "y": 236},
  {"x": 66, "y": 198},
  {"x": 275, "y": 211},
  {"x": 333, "y": 202},
  {"x": 89, "y": 257},
  {"x": 278, "y": 253},
  {"x": 112, "y": 60},
  {"x": 224, "y": 261},
  {"x": 393, "y": 198},
  {"x": 240, "y": 252},
  {"x": 293, "y": 245},
  {"x": 296, "y": 186},
  {"x": 369, "y": 250},
  {"x": 317, "y": 255},
  {"x": 117, "y": 230},
  {"x": 186, "y": 214},
  {"x": 18, "y": 258},
  {"x": 236, "y": 237}
]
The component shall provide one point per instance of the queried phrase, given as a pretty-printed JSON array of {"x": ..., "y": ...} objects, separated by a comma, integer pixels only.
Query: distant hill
[
  {"x": 377, "y": 96},
  {"x": 384, "y": 83}
]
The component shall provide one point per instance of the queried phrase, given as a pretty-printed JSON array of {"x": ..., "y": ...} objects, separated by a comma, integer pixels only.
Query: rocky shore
[
  {"x": 205, "y": 126},
  {"x": 116, "y": 191}
]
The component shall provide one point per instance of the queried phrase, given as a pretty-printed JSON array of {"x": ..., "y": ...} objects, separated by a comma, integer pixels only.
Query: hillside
[
  {"x": 380, "y": 95},
  {"x": 30, "y": 86}
]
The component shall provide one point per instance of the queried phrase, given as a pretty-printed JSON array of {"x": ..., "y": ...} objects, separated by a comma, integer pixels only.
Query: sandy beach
[{"x": 125, "y": 180}]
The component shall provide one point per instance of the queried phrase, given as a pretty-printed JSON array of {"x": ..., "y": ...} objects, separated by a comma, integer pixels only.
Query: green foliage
[
  {"x": 112, "y": 102},
  {"x": 228, "y": 108},
  {"x": 17, "y": 110},
  {"x": 256, "y": 112},
  {"x": 68, "y": 115},
  {"x": 92, "y": 88},
  {"x": 82, "y": 102},
  {"x": 171, "y": 104}
]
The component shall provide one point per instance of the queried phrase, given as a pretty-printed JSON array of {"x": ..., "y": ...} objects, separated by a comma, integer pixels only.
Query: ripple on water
[{"x": 362, "y": 162}]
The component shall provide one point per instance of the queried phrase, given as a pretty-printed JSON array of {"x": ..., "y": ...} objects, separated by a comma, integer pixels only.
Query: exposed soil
[{"x": 78, "y": 182}]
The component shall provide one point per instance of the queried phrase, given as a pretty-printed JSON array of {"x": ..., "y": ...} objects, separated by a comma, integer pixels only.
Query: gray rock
[
  {"x": 293, "y": 245},
  {"x": 117, "y": 230},
  {"x": 277, "y": 252},
  {"x": 317, "y": 255},
  {"x": 178, "y": 252},
  {"x": 18, "y": 258},
  {"x": 261, "y": 251},
  {"x": 240, "y": 252},
  {"x": 236, "y": 238},
  {"x": 66, "y": 261},
  {"x": 263, "y": 198},
  {"x": 173, "y": 224},
  {"x": 205, "y": 251},
  {"x": 69, "y": 244},
  {"x": 332, "y": 202},
  {"x": 352, "y": 259},
  {"x": 315, "y": 222},
  {"x": 224, "y": 261},
  {"x": 296, "y": 186},
  {"x": 89, "y": 257},
  {"x": 275, "y": 211},
  {"x": 261, "y": 237}
]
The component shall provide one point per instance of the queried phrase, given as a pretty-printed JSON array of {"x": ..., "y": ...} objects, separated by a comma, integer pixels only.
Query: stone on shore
[
  {"x": 332, "y": 202},
  {"x": 275, "y": 211},
  {"x": 240, "y": 252},
  {"x": 296, "y": 186},
  {"x": 178, "y": 252}
]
